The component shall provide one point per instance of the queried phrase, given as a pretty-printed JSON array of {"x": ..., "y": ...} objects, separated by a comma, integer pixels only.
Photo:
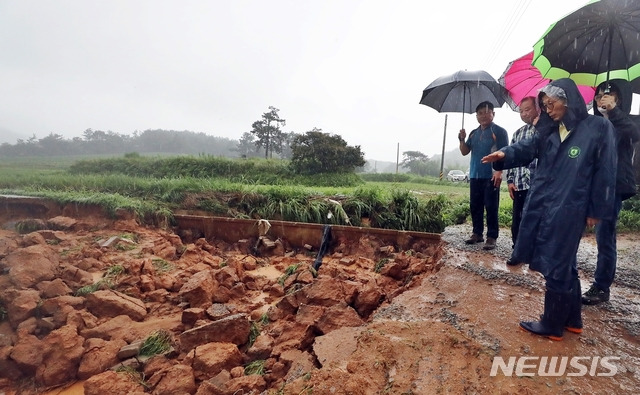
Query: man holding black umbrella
[{"x": 484, "y": 183}]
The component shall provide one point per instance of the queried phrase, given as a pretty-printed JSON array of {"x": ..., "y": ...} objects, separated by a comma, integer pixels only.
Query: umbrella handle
[
  {"x": 609, "y": 54},
  {"x": 464, "y": 97}
]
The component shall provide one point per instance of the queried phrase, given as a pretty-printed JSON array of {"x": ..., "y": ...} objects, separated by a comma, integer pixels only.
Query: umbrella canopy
[
  {"x": 462, "y": 91},
  {"x": 521, "y": 79},
  {"x": 593, "y": 44}
]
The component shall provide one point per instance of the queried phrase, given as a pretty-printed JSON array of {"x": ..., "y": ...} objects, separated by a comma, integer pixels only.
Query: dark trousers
[
  {"x": 607, "y": 249},
  {"x": 483, "y": 195},
  {"x": 516, "y": 217},
  {"x": 564, "y": 285}
]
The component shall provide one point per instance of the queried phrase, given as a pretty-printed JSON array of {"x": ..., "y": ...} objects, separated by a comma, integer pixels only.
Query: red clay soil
[{"x": 372, "y": 320}]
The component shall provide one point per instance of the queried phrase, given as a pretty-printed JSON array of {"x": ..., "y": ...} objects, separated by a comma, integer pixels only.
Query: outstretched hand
[{"x": 493, "y": 157}]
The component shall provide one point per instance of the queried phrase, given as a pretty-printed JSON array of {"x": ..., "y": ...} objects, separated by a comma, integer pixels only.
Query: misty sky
[{"x": 353, "y": 68}]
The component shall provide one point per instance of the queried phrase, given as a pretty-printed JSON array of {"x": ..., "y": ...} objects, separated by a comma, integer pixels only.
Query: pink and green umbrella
[{"x": 521, "y": 79}]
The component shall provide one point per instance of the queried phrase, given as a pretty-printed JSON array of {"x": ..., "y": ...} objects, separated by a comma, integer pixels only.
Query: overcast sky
[{"x": 348, "y": 67}]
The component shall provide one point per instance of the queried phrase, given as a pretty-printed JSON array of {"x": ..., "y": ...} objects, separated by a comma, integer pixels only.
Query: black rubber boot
[
  {"x": 556, "y": 310},
  {"x": 574, "y": 320}
]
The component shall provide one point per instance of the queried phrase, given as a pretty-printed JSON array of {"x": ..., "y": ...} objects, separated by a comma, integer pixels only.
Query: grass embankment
[{"x": 154, "y": 187}]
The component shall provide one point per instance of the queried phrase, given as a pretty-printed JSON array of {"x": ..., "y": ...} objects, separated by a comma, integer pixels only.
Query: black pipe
[{"x": 324, "y": 246}]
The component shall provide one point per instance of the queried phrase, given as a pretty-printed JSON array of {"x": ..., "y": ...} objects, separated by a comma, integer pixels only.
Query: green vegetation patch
[
  {"x": 158, "y": 342},
  {"x": 162, "y": 266},
  {"x": 254, "y": 332},
  {"x": 288, "y": 272},
  {"x": 255, "y": 367},
  {"x": 114, "y": 271},
  {"x": 380, "y": 264},
  {"x": 105, "y": 283},
  {"x": 134, "y": 375},
  {"x": 30, "y": 225}
]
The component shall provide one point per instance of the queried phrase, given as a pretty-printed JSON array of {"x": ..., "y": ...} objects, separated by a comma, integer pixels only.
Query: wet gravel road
[{"x": 624, "y": 306}]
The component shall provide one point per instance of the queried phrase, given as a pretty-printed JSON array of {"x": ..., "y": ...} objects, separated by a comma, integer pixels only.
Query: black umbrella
[
  {"x": 462, "y": 91},
  {"x": 596, "y": 43}
]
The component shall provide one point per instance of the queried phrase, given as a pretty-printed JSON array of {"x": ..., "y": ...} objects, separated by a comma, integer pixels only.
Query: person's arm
[
  {"x": 496, "y": 178},
  {"x": 464, "y": 148},
  {"x": 514, "y": 155},
  {"x": 493, "y": 157},
  {"x": 626, "y": 129}
]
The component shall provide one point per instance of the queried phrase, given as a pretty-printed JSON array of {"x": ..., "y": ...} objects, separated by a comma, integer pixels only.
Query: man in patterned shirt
[{"x": 519, "y": 178}]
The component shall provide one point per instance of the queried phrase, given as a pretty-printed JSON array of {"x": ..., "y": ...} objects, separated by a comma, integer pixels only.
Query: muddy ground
[{"x": 441, "y": 334}]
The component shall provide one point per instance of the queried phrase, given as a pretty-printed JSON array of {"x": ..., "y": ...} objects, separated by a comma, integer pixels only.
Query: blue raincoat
[{"x": 574, "y": 179}]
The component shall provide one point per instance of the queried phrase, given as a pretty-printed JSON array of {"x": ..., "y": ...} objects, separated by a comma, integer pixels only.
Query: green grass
[
  {"x": 162, "y": 266},
  {"x": 254, "y": 332},
  {"x": 114, "y": 271},
  {"x": 291, "y": 269},
  {"x": 157, "y": 342},
  {"x": 255, "y": 367},
  {"x": 87, "y": 289},
  {"x": 154, "y": 187},
  {"x": 380, "y": 264},
  {"x": 134, "y": 375}
]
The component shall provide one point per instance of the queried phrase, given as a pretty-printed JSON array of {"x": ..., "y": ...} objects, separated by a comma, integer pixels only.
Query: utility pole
[
  {"x": 444, "y": 140},
  {"x": 397, "y": 157}
]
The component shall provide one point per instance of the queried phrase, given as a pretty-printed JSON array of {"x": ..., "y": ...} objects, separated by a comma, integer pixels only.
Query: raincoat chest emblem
[{"x": 574, "y": 152}]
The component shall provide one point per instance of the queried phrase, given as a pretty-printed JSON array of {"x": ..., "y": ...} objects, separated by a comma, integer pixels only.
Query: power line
[{"x": 512, "y": 21}]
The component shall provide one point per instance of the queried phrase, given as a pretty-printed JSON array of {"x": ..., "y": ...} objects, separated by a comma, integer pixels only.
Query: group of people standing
[{"x": 566, "y": 170}]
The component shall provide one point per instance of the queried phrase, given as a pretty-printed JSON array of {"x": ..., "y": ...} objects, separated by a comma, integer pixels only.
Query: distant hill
[
  {"x": 452, "y": 160},
  {"x": 7, "y": 136}
]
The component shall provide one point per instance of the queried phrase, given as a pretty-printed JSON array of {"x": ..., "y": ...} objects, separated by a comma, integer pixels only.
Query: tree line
[
  {"x": 309, "y": 153},
  {"x": 98, "y": 142}
]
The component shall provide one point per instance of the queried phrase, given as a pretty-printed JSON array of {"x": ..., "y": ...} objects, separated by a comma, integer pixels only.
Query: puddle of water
[
  {"x": 499, "y": 292},
  {"x": 269, "y": 272},
  {"x": 76, "y": 388}
]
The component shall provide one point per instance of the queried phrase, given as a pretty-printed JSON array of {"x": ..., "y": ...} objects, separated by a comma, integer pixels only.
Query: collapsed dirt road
[
  {"x": 442, "y": 336},
  {"x": 430, "y": 321}
]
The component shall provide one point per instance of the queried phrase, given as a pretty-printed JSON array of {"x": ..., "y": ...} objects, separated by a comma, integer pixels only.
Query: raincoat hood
[
  {"x": 624, "y": 91},
  {"x": 576, "y": 106}
]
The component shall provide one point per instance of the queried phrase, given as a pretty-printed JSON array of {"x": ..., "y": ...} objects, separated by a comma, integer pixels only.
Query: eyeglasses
[{"x": 549, "y": 105}]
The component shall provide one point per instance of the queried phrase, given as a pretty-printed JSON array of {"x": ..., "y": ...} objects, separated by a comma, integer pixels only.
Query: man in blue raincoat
[{"x": 574, "y": 187}]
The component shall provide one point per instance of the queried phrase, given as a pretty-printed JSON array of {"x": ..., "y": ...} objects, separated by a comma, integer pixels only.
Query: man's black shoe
[
  {"x": 594, "y": 296},
  {"x": 512, "y": 262}
]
